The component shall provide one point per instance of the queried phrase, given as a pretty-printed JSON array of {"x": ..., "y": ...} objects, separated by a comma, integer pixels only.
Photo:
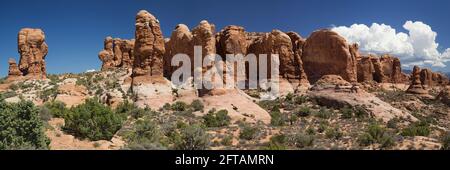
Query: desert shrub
[
  {"x": 2, "y": 80},
  {"x": 322, "y": 127},
  {"x": 376, "y": 134},
  {"x": 417, "y": 129},
  {"x": 300, "y": 99},
  {"x": 360, "y": 111},
  {"x": 179, "y": 106},
  {"x": 392, "y": 123},
  {"x": 248, "y": 132},
  {"x": 333, "y": 133},
  {"x": 57, "y": 109},
  {"x": 303, "y": 111},
  {"x": 93, "y": 120},
  {"x": 301, "y": 140},
  {"x": 227, "y": 140},
  {"x": 277, "y": 142},
  {"x": 346, "y": 113},
  {"x": 145, "y": 135},
  {"x": 21, "y": 127},
  {"x": 270, "y": 105},
  {"x": 446, "y": 142},
  {"x": 323, "y": 113},
  {"x": 49, "y": 93},
  {"x": 217, "y": 119},
  {"x": 277, "y": 118},
  {"x": 193, "y": 137},
  {"x": 7, "y": 94},
  {"x": 197, "y": 105},
  {"x": 14, "y": 87}
]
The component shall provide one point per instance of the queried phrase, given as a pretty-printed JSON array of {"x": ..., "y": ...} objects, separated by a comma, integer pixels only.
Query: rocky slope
[{"x": 351, "y": 95}]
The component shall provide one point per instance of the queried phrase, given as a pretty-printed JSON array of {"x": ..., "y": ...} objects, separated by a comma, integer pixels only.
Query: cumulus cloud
[{"x": 417, "y": 47}]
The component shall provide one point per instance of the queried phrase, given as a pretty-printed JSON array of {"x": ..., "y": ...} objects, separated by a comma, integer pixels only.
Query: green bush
[
  {"x": 277, "y": 118},
  {"x": 93, "y": 120},
  {"x": 145, "y": 135},
  {"x": 49, "y": 94},
  {"x": 57, "y": 109},
  {"x": 217, "y": 119},
  {"x": 21, "y": 127},
  {"x": 197, "y": 105},
  {"x": 333, "y": 133},
  {"x": 277, "y": 142},
  {"x": 193, "y": 137},
  {"x": 376, "y": 134},
  {"x": 303, "y": 111},
  {"x": 301, "y": 140},
  {"x": 248, "y": 132},
  {"x": 417, "y": 129},
  {"x": 446, "y": 142},
  {"x": 361, "y": 111},
  {"x": 227, "y": 140},
  {"x": 300, "y": 100},
  {"x": 347, "y": 113},
  {"x": 179, "y": 106},
  {"x": 323, "y": 113}
]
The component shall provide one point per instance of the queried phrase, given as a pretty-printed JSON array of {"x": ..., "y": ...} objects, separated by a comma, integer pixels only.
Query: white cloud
[
  {"x": 90, "y": 71},
  {"x": 417, "y": 47}
]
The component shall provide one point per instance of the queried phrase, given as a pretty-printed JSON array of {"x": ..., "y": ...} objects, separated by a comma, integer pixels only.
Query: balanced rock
[
  {"x": 32, "y": 50},
  {"x": 13, "y": 69},
  {"x": 326, "y": 52},
  {"x": 149, "y": 47}
]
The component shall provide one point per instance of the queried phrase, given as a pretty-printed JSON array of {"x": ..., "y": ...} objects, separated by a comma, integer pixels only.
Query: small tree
[
  {"x": 217, "y": 119},
  {"x": 21, "y": 127}
]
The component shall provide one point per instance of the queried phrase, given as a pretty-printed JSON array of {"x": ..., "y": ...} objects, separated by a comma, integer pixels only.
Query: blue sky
[{"x": 75, "y": 29}]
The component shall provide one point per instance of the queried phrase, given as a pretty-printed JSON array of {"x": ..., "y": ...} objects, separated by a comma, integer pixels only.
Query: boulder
[
  {"x": 327, "y": 53},
  {"x": 32, "y": 50}
]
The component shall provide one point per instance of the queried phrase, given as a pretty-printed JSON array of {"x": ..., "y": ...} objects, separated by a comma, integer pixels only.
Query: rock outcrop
[
  {"x": 107, "y": 54},
  {"x": 204, "y": 36},
  {"x": 297, "y": 46},
  {"x": 149, "y": 48},
  {"x": 180, "y": 42},
  {"x": 366, "y": 69},
  {"x": 233, "y": 40},
  {"x": 32, "y": 50},
  {"x": 117, "y": 53},
  {"x": 416, "y": 86},
  {"x": 325, "y": 52},
  {"x": 384, "y": 69},
  {"x": 13, "y": 69}
]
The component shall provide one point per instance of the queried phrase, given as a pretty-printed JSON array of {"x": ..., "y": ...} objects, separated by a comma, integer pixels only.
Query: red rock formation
[
  {"x": 107, "y": 54},
  {"x": 392, "y": 70},
  {"x": 233, "y": 40},
  {"x": 297, "y": 46},
  {"x": 366, "y": 69},
  {"x": 326, "y": 52},
  {"x": 149, "y": 48},
  {"x": 416, "y": 86},
  {"x": 203, "y": 35},
  {"x": 181, "y": 41},
  {"x": 32, "y": 50},
  {"x": 117, "y": 53},
  {"x": 13, "y": 69}
]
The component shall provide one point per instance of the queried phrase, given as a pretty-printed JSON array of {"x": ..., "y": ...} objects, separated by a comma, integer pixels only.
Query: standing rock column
[
  {"x": 416, "y": 86},
  {"x": 181, "y": 41},
  {"x": 149, "y": 47},
  {"x": 32, "y": 50},
  {"x": 13, "y": 69},
  {"x": 107, "y": 54}
]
